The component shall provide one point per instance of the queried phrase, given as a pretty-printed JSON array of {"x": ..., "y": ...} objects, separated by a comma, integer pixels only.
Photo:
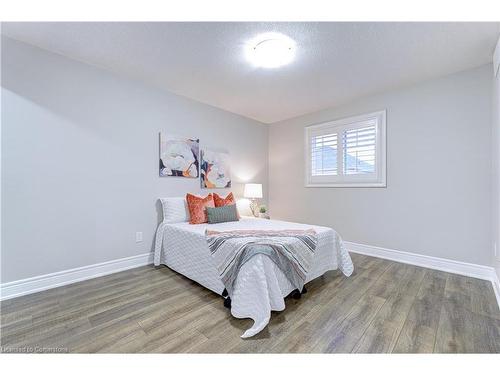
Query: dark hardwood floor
[{"x": 384, "y": 307}]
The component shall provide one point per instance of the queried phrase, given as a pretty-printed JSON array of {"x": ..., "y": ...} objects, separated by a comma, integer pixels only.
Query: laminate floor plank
[
  {"x": 419, "y": 331},
  {"x": 455, "y": 326},
  {"x": 383, "y": 307},
  {"x": 382, "y": 334},
  {"x": 345, "y": 336}
]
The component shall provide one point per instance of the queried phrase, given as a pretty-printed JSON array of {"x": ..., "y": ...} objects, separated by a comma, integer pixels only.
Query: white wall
[
  {"x": 438, "y": 197},
  {"x": 80, "y": 160},
  {"x": 496, "y": 159}
]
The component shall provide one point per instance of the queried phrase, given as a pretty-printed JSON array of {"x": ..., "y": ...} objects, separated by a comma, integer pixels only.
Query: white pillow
[{"x": 175, "y": 210}]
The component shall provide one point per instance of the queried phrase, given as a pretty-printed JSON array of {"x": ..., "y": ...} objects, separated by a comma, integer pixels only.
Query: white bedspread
[{"x": 260, "y": 286}]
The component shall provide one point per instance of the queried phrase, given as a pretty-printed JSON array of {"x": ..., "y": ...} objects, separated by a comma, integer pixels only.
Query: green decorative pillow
[{"x": 222, "y": 214}]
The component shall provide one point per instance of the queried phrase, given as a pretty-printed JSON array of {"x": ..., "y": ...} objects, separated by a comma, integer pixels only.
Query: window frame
[{"x": 376, "y": 179}]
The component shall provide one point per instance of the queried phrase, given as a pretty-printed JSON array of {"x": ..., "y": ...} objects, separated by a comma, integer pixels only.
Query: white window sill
[{"x": 348, "y": 184}]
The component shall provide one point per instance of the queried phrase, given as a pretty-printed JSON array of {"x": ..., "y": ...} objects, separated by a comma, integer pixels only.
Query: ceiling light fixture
[{"x": 270, "y": 50}]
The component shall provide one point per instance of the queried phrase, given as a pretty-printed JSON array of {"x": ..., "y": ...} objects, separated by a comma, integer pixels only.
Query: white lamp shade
[{"x": 253, "y": 191}]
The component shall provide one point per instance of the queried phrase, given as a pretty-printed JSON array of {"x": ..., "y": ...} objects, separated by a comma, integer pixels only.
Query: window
[{"x": 347, "y": 153}]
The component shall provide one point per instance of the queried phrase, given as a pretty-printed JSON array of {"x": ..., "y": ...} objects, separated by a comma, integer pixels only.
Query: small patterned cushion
[
  {"x": 197, "y": 207},
  {"x": 222, "y": 214}
]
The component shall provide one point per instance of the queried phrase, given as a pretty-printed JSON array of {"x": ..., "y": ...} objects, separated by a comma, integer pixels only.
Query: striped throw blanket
[{"x": 291, "y": 250}]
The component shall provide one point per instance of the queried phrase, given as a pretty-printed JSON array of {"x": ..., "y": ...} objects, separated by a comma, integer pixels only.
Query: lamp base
[{"x": 254, "y": 207}]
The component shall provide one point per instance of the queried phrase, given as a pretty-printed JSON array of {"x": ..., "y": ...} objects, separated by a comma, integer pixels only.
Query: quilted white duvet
[{"x": 260, "y": 286}]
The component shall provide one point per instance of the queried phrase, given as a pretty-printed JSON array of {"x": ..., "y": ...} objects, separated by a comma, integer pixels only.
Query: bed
[{"x": 260, "y": 286}]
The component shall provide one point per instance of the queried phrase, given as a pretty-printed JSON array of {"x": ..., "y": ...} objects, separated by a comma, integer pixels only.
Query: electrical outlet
[
  {"x": 138, "y": 236},
  {"x": 497, "y": 254}
]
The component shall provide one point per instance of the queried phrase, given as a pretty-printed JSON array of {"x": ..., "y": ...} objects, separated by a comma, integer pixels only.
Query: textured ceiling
[{"x": 335, "y": 62}]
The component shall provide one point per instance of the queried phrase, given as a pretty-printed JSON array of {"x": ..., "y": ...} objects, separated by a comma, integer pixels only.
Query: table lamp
[{"x": 253, "y": 191}]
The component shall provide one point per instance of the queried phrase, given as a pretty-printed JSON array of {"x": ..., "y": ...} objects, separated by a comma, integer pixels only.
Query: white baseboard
[
  {"x": 38, "y": 283},
  {"x": 461, "y": 268},
  {"x": 441, "y": 264}
]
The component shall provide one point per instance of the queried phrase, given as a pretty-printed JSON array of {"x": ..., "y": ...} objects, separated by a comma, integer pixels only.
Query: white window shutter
[
  {"x": 347, "y": 153},
  {"x": 359, "y": 150},
  {"x": 324, "y": 155}
]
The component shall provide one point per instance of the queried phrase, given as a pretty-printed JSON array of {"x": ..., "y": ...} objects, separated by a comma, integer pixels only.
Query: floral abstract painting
[
  {"x": 179, "y": 156},
  {"x": 215, "y": 171}
]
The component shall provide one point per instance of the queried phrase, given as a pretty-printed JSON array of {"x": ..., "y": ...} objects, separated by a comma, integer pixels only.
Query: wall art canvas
[
  {"x": 179, "y": 156},
  {"x": 214, "y": 170}
]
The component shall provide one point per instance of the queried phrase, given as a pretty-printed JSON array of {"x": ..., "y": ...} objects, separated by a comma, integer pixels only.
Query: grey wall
[
  {"x": 496, "y": 164},
  {"x": 80, "y": 165},
  {"x": 80, "y": 160},
  {"x": 438, "y": 197}
]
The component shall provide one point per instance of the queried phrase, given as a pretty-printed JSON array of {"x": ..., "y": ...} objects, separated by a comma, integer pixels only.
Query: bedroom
[{"x": 250, "y": 187}]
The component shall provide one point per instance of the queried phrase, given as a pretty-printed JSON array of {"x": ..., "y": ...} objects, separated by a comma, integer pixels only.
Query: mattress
[{"x": 260, "y": 285}]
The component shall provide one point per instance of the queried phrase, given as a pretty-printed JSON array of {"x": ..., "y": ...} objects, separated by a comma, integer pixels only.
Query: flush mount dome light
[{"x": 270, "y": 50}]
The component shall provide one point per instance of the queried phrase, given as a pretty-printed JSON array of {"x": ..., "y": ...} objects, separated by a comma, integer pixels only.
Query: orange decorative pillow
[
  {"x": 197, "y": 208},
  {"x": 219, "y": 201}
]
